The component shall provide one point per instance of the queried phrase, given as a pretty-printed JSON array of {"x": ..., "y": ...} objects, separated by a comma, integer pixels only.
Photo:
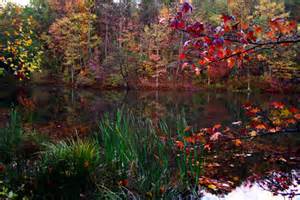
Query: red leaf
[
  {"x": 257, "y": 29},
  {"x": 182, "y": 56},
  {"x": 261, "y": 126},
  {"x": 220, "y": 53},
  {"x": 226, "y": 18},
  {"x": 181, "y": 25},
  {"x": 179, "y": 144},
  {"x": 123, "y": 182},
  {"x": 217, "y": 126},
  {"x": 250, "y": 36}
]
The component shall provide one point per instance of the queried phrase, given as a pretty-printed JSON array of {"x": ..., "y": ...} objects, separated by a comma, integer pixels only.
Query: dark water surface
[{"x": 61, "y": 111}]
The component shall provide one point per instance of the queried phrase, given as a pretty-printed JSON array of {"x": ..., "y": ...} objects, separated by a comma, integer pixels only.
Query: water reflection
[
  {"x": 60, "y": 112},
  {"x": 249, "y": 193},
  {"x": 87, "y": 106}
]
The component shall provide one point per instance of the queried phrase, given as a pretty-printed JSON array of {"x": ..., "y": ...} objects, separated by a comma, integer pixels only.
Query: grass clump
[
  {"x": 11, "y": 137},
  {"x": 71, "y": 158},
  {"x": 69, "y": 166}
]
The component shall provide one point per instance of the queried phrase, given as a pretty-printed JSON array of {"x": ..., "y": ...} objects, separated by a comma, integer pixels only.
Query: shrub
[{"x": 68, "y": 166}]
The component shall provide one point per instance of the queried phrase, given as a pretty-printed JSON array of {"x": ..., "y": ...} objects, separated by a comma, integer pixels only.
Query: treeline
[{"x": 128, "y": 43}]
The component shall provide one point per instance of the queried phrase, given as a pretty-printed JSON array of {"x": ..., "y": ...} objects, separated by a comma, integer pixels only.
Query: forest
[{"x": 150, "y": 99}]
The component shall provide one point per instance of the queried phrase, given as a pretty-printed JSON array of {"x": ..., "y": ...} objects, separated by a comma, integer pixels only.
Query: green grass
[
  {"x": 73, "y": 157},
  {"x": 10, "y": 137},
  {"x": 133, "y": 148},
  {"x": 67, "y": 168}
]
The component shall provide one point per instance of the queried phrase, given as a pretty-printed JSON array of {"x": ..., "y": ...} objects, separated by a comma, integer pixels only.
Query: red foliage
[{"x": 222, "y": 47}]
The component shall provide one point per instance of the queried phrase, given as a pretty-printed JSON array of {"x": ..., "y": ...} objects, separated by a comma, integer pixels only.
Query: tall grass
[
  {"x": 10, "y": 137},
  {"x": 134, "y": 147}
]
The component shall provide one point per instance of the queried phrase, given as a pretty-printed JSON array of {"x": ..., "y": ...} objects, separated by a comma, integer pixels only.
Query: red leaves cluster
[
  {"x": 232, "y": 41},
  {"x": 276, "y": 119}
]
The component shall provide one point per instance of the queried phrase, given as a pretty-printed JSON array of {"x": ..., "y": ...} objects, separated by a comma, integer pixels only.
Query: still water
[{"x": 250, "y": 173}]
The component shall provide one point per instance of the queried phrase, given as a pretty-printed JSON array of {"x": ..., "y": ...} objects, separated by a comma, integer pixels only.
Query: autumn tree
[
  {"x": 73, "y": 38},
  {"x": 20, "y": 47}
]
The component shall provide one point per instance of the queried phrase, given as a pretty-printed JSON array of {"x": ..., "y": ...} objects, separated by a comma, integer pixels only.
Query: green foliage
[
  {"x": 114, "y": 80},
  {"x": 6, "y": 193},
  {"x": 266, "y": 10}
]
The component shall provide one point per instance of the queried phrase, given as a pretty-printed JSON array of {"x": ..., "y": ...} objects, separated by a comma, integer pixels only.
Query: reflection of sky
[{"x": 246, "y": 193}]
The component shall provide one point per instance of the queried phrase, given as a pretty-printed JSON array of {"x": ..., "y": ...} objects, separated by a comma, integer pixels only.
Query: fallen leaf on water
[
  {"x": 207, "y": 147},
  {"x": 212, "y": 165},
  {"x": 237, "y": 123},
  {"x": 211, "y": 186},
  {"x": 253, "y": 133},
  {"x": 215, "y": 136},
  {"x": 216, "y": 126},
  {"x": 237, "y": 142},
  {"x": 261, "y": 127},
  {"x": 282, "y": 159}
]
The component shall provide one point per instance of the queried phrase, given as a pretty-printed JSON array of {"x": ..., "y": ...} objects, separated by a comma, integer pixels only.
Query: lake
[{"x": 267, "y": 171}]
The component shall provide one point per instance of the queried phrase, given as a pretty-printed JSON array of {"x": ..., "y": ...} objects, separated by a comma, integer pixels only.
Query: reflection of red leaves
[
  {"x": 293, "y": 110},
  {"x": 2, "y": 168},
  {"x": 291, "y": 121},
  {"x": 277, "y": 105},
  {"x": 254, "y": 110},
  {"x": 297, "y": 116}
]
